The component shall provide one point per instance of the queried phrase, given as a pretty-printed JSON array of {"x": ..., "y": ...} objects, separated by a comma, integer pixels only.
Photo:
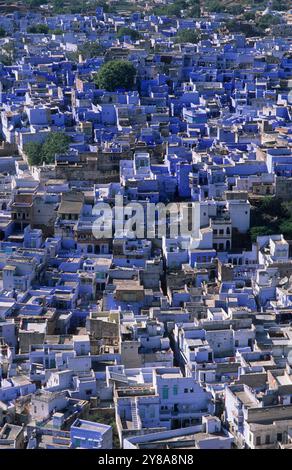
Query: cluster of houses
[{"x": 144, "y": 342}]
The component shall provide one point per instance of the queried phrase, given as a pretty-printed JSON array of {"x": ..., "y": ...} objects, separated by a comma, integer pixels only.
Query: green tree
[
  {"x": 56, "y": 31},
  {"x": 285, "y": 228},
  {"x": 258, "y": 231},
  {"x": 58, "y": 6},
  {"x": 5, "y": 60},
  {"x": 215, "y": 6},
  {"x": 279, "y": 5},
  {"x": 55, "y": 143},
  {"x": 266, "y": 21},
  {"x": 272, "y": 206},
  {"x": 125, "y": 31},
  {"x": 194, "y": 11},
  {"x": 33, "y": 151},
  {"x": 2, "y": 32},
  {"x": 248, "y": 15},
  {"x": 236, "y": 26},
  {"x": 38, "y": 29},
  {"x": 35, "y": 3},
  {"x": 106, "y": 7},
  {"x": 116, "y": 74},
  {"x": 188, "y": 35},
  {"x": 90, "y": 49},
  {"x": 174, "y": 9},
  {"x": 235, "y": 9},
  {"x": 193, "y": 2}
]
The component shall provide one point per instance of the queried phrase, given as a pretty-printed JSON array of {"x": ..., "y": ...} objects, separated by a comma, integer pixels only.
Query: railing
[
  {"x": 135, "y": 414},
  {"x": 119, "y": 377}
]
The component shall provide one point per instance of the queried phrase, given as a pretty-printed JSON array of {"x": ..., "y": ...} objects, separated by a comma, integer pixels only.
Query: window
[
  {"x": 279, "y": 437},
  {"x": 258, "y": 440},
  {"x": 165, "y": 392},
  {"x": 175, "y": 390},
  {"x": 77, "y": 442},
  {"x": 186, "y": 390},
  {"x": 268, "y": 440}
]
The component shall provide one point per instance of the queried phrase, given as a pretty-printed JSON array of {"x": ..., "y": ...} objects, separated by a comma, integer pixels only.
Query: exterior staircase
[{"x": 135, "y": 414}]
